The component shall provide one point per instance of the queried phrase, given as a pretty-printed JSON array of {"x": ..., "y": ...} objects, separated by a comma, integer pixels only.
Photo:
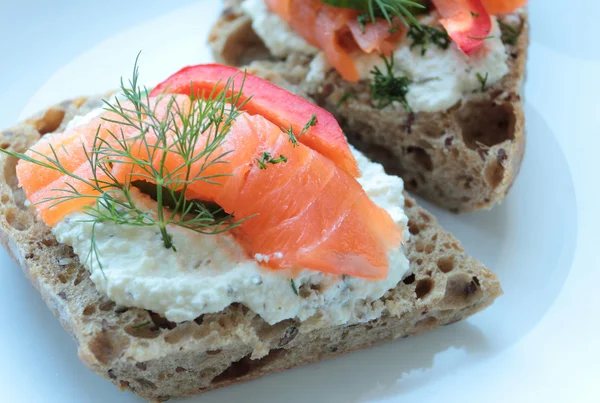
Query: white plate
[{"x": 536, "y": 343}]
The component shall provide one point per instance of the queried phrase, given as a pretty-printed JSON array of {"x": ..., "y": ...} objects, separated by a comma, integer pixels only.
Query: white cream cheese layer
[
  {"x": 209, "y": 272},
  {"x": 279, "y": 38},
  {"x": 440, "y": 77}
]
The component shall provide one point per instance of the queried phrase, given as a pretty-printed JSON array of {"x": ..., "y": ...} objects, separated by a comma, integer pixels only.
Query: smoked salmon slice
[
  {"x": 376, "y": 37},
  {"x": 330, "y": 27},
  {"x": 296, "y": 214},
  {"x": 336, "y": 32},
  {"x": 260, "y": 97},
  {"x": 303, "y": 211},
  {"x": 52, "y": 195},
  {"x": 50, "y": 189}
]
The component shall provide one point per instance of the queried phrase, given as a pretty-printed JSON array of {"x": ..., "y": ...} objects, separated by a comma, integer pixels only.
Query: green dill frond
[
  {"x": 388, "y": 88},
  {"x": 293, "y": 137},
  {"x": 311, "y": 122},
  {"x": 424, "y": 34},
  {"x": 480, "y": 38},
  {"x": 509, "y": 35},
  {"x": 267, "y": 158},
  {"x": 482, "y": 80},
  {"x": 347, "y": 95},
  {"x": 362, "y": 20},
  {"x": 387, "y": 9}
]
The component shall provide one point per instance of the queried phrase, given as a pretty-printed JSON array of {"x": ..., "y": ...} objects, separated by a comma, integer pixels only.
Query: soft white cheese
[
  {"x": 209, "y": 272},
  {"x": 79, "y": 120},
  {"x": 317, "y": 70},
  {"x": 440, "y": 77},
  {"x": 279, "y": 38}
]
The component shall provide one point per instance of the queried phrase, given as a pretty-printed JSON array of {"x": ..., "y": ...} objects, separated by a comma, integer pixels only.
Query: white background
[{"x": 539, "y": 342}]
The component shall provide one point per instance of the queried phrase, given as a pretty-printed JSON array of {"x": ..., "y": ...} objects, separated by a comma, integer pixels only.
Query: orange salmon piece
[
  {"x": 318, "y": 216},
  {"x": 377, "y": 37},
  {"x": 336, "y": 31},
  {"x": 46, "y": 198},
  {"x": 68, "y": 147},
  {"x": 330, "y": 27},
  {"x": 495, "y": 7},
  {"x": 45, "y": 187}
]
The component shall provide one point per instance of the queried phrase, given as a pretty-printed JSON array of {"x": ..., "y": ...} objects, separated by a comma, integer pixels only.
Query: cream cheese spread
[
  {"x": 440, "y": 77},
  {"x": 279, "y": 38},
  {"x": 210, "y": 272}
]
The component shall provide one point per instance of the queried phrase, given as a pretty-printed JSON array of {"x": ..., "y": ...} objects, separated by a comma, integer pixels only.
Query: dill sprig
[
  {"x": 293, "y": 137},
  {"x": 388, "y": 88},
  {"x": 345, "y": 97},
  {"x": 424, "y": 34},
  {"x": 387, "y": 9},
  {"x": 267, "y": 158},
  {"x": 482, "y": 80},
  {"x": 480, "y": 38},
  {"x": 510, "y": 35},
  {"x": 362, "y": 20},
  {"x": 294, "y": 288},
  {"x": 205, "y": 124}
]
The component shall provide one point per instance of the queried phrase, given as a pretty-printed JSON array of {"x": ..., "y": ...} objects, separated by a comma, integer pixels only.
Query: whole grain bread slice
[
  {"x": 464, "y": 158},
  {"x": 157, "y": 359}
]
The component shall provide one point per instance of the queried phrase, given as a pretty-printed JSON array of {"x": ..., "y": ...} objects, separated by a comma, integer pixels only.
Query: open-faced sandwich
[
  {"x": 432, "y": 88},
  {"x": 219, "y": 228}
]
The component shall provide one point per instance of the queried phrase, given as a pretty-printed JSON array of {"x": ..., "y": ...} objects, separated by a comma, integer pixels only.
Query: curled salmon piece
[
  {"x": 376, "y": 37},
  {"x": 50, "y": 190},
  {"x": 260, "y": 97},
  {"x": 336, "y": 32}
]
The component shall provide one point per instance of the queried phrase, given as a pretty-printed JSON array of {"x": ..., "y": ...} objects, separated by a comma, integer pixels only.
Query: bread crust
[
  {"x": 465, "y": 158},
  {"x": 163, "y": 360}
]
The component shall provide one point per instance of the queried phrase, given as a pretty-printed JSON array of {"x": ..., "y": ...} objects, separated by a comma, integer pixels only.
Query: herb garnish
[
  {"x": 509, "y": 35},
  {"x": 424, "y": 34},
  {"x": 482, "y": 80},
  {"x": 206, "y": 123},
  {"x": 266, "y": 158},
  {"x": 141, "y": 325},
  {"x": 387, "y": 88},
  {"x": 293, "y": 284},
  {"x": 347, "y": 95},
  {"x": 480, "y": 38},
  {"x": 290, "y": 132},
  {"x": 388, "y": 9},
  {"x": 362, "y": 20}
]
